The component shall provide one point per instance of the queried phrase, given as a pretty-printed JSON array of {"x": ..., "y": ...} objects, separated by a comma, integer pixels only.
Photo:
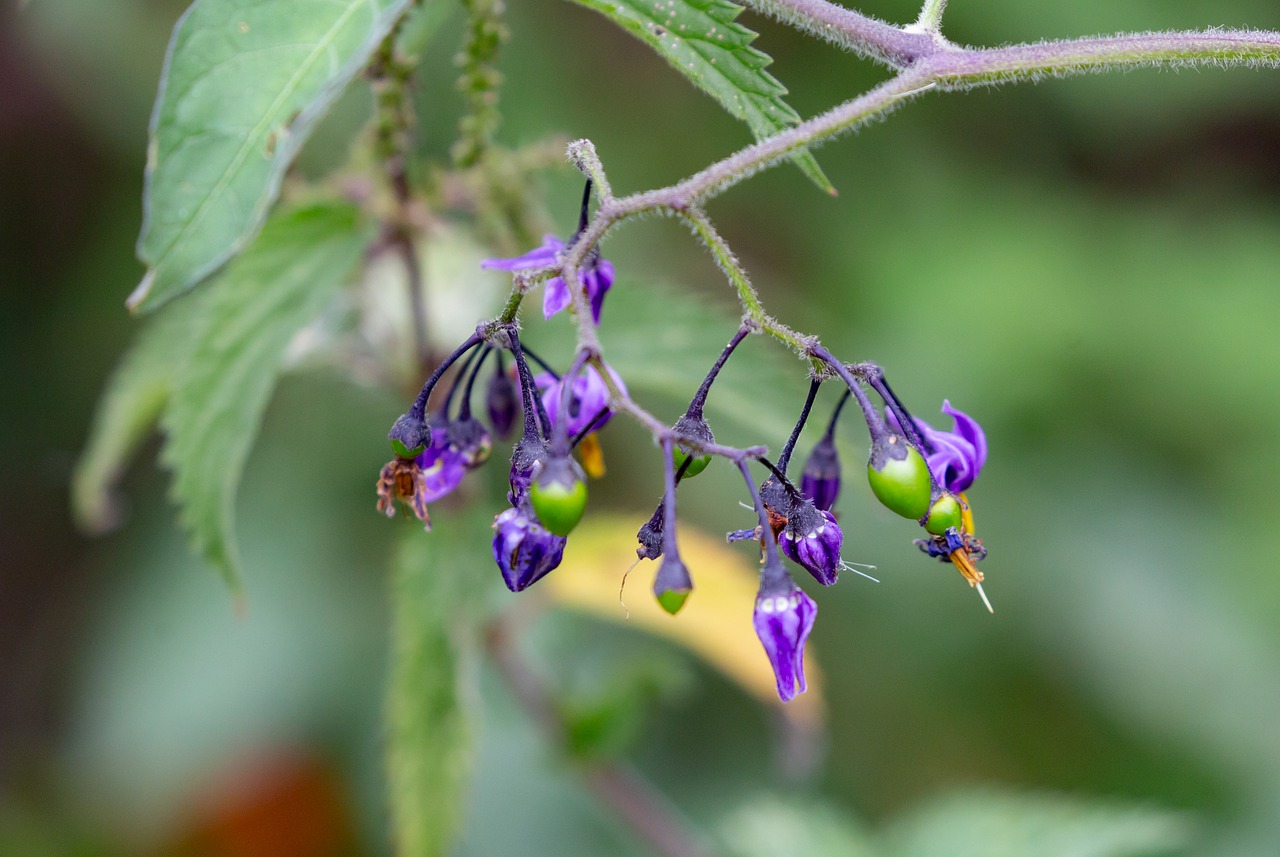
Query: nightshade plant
[{"x": 259, "y": 273}]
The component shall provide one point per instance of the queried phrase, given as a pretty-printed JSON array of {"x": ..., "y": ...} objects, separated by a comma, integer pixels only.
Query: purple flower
[
  {"x": 442, "y": 465},
  {"x": 590, "y": 396},
  {"x": 812, "y": 539},
  {"x": 783, "y": 618},
  {"x": 596, "y": 276},
  {"x": 958, "y": 455},
  {"x": 820, "y": 480},
  {"x": 523, "y": 548}
]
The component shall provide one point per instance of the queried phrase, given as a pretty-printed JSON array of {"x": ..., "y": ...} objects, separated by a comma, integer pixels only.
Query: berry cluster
[{"x": 913, "y": 469}]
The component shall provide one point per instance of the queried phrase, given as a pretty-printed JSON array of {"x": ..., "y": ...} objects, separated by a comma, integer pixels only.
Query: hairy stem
[{"x": 930, "y": 19}]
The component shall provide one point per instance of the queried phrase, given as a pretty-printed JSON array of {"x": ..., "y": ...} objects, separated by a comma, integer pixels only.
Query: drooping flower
[
  {"x": 812, "y": 539},
  {"x": 590, "y": 397},
  {"x": 524, "y": 550},
  {"x": 596, "y": 276},
  {"x": 958, "y": 455},
  {"x": 783, "y": 619}
]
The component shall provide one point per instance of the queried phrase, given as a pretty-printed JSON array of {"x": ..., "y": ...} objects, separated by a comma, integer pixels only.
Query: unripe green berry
[
  {"x": 672, "y": 600},
  {"x": 559, "y": 496},
  {"x": 899, "y": 477},
  {"x": 944, "y": 513},
  {"x": 401, "y": 451},
  {"x": 696, "y": 465}
]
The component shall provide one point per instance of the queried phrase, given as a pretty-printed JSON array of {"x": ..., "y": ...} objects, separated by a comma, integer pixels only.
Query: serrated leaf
[
  {"x": 983, "y": 824},
  {"x": 701, "y": 40},
  {"x": 433, "y": 660},
  {"x": 244, "y": 85},
  {"x": 253, "y": 310},
  {"x": 129, "y": 407}
]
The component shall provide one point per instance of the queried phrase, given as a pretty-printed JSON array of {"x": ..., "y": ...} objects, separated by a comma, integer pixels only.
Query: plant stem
[
  {"x": 930, "y": 19},
  {"x": 614, "y": 783}
]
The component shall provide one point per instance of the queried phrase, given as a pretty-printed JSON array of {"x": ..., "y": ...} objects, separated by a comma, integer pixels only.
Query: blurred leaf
[
  {"x": 769, "y": 825},
  {"x": 434, "y": 655},
  {"x": 258, "y": 304},
  {"x": 243, "y": 87},
  {"x": 1008, "y": 825},
  {"x": 129, "y": 407},
  {"x": 715, "y": 623},
  {"x": 701, "y": 40}
]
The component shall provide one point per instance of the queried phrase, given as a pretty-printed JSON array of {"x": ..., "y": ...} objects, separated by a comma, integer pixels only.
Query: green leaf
[
  {"x": 253, "y": 310},
  {"x": 767, "y": 824},
  {"x": 243, "y": 87},
  {"x": 131, "y": 404},
  {"x": 1009, "y": 825},
  {"x": 436, "y": 590},
  {"x": 701, "y": 40}
]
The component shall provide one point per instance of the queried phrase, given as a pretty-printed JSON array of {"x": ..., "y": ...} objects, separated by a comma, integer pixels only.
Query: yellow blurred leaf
[{"x": 715, "y": 623}]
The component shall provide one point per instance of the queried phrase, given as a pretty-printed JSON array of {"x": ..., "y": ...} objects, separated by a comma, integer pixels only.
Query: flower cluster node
[{"x": 914, "y": 469}]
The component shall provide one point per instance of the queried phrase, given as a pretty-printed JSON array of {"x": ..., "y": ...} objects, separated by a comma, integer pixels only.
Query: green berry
[
  {"x": 945, "y": 512},
  {"x": 696, "y": 466},
  {"x": 672, "y": 600},
  {"x": 559, "y": 506},
  {"x": 401, "y": 451},
  {"x": 900, "y": 478}
]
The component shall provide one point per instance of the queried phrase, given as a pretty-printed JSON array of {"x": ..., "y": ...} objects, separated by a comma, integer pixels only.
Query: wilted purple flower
[
  {"x": 812, "y": 539},
  {"x": 590, "y": 396},
  {"x": 523, "y": 548},
  {"x": 596, "y": 276},
  {"x": 820, "y": 480},
  {"x": 783, "y": 618},
  {"x": 958, "y": 455}
]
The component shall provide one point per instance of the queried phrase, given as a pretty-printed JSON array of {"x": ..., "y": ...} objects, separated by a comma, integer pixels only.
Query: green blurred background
[{"x": 1088, "y": 266}]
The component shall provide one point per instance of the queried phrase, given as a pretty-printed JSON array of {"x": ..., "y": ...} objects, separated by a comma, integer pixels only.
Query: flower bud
[
  {"x": 523, "y": 549},
  {"x": 820, "y": 480},
  {"x": 899, "y": 477},
  {"x": 502, "y": 401},
  {"x": 672, "y": 584},
  {"x": 409, "y": 436},
  {"x": 559, "y": 494},
  {"x": 783, "y": 619}
]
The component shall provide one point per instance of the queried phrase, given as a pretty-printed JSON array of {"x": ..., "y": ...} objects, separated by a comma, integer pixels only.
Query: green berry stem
[
  {"x": 785, "y": 458},
  {"x": 875, "y": 425},
  {"x": 420, "y": 404},
  {"x": 875, "y": 377},
  {"x": 700, "y": 398},
  {"x": 464, "y": 408}
]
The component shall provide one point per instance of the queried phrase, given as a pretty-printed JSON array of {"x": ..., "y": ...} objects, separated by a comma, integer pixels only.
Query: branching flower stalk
[{"x": 915, "y": 470}]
